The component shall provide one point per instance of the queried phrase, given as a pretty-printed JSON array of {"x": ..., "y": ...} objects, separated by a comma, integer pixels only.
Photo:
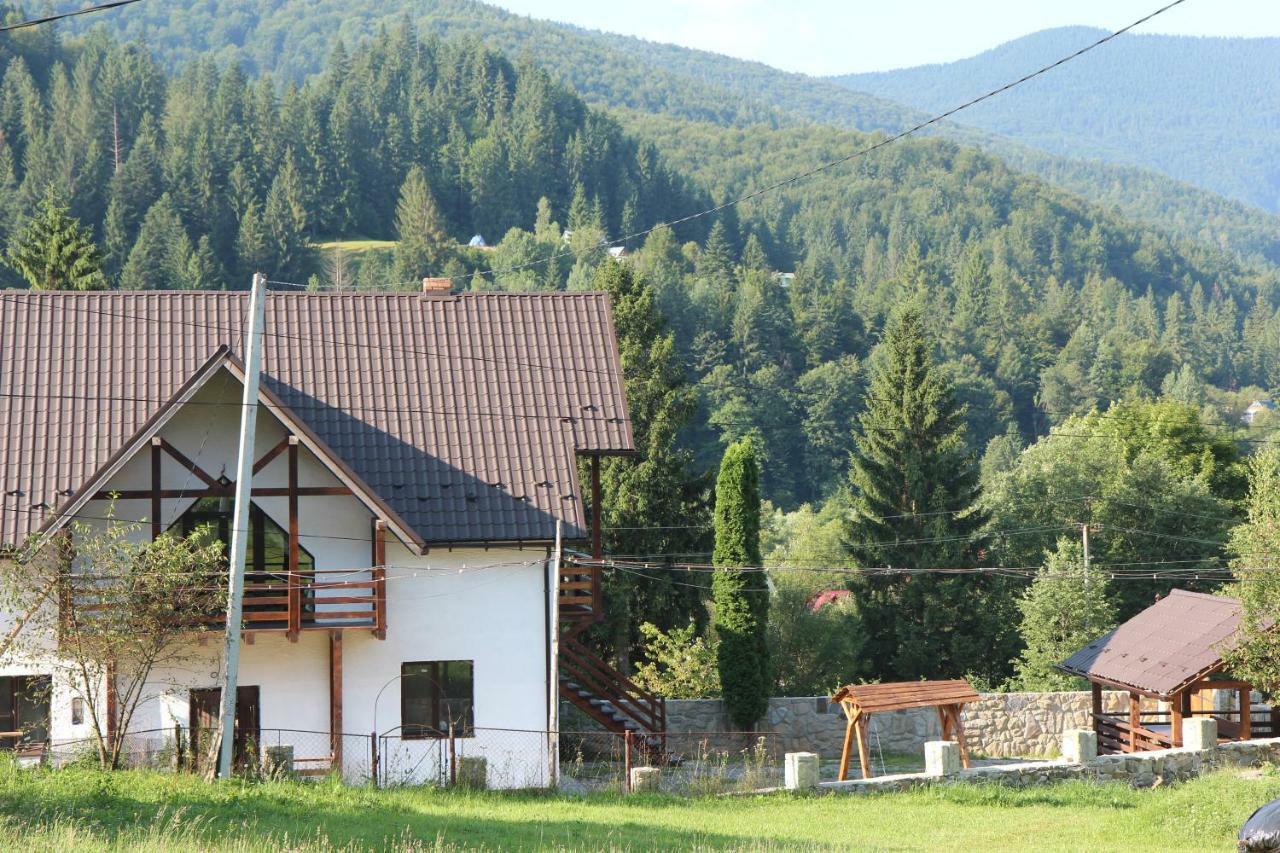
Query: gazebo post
[
  {"x": 1135, "y": 719},
  {"x": 1246, "y": 711},
  {"x": 1096, "y": 704},
  {"x": 1176, "y": 703}
]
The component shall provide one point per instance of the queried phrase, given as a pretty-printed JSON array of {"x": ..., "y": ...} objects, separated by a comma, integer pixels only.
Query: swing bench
[{"x": 860, "y": 701}]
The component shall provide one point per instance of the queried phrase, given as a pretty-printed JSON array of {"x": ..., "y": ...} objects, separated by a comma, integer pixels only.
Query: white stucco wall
[{"x": 483, "y": 605}]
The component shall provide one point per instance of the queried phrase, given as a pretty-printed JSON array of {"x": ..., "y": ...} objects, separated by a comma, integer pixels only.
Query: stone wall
[{"x": 1000, "y": 724}]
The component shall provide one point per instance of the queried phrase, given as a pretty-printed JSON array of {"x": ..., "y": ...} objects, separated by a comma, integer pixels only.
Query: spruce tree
[
  {"x": 54, "y": 252},
  {"x": 915, "y": 490},
  {"x": 648, "y": 500},
  {"x": 159, "y": 259},
  {"x": 741, "y": 596},
  {"x": 424, "y": 243}
]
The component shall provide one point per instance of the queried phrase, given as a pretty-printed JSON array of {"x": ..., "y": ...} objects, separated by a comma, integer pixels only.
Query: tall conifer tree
[
  {"x": 741, "y": 596},
  {"x": 424, "y": 242},
  {"x": 915, "y": 490},
  {"x": 54, "y": 252}
]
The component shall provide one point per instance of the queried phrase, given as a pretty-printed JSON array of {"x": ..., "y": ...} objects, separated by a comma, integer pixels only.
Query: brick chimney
[{"x": 436, "y": 285}]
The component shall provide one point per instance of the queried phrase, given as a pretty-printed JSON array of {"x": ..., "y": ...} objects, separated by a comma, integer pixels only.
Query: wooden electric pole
[{"x": 240, "y": 522}]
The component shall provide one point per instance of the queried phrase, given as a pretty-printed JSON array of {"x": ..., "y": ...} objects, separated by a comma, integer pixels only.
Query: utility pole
[{"x": 240, "y": 521}]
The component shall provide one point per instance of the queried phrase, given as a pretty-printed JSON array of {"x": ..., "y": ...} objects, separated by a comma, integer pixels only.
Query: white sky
[{"x": 833, "y": 37}]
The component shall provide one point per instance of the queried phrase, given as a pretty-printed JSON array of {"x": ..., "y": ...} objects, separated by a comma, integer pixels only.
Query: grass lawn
[{"x": 74, "y": 809}]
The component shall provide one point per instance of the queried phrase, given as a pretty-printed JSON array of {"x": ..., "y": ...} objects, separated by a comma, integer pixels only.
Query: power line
[{"x": 48, "y": 19}]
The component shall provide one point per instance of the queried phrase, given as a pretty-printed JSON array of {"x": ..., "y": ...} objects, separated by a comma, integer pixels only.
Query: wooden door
[{"x": 206, "y": 705}]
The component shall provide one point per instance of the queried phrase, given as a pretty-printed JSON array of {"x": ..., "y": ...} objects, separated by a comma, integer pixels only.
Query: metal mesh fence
[{"x": 574, "y": 762}]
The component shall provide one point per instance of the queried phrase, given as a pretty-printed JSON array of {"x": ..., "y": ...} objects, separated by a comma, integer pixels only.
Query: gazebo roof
[{"x": 1173, "y": 643}]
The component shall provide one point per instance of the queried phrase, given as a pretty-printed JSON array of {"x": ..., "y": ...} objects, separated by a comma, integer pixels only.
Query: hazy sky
[{"x": 833, "y": 37}]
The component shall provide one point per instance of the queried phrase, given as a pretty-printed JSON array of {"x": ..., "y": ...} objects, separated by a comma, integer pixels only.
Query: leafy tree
[
  {"x": 741, "y": 615},
  {"x": 423, "y": 240},
  {"x": 54, "y": 252},
  {"x": 678, "y": 664},
  {"x": 1065, "y": 608},
  {"x": 117, "y": 597},
  {"x": 1255, "y": 549},
  {"x": 816, "y": 637},
  {"x": 915, "y": 508}
]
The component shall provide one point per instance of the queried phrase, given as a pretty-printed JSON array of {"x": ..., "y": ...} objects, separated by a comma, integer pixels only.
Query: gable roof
[
  {"x": 462, "y": 415},
  {"x": 1174, "y": 642}
]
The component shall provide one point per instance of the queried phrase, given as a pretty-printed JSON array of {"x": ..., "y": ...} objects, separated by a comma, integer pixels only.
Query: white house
[{"x": 415, "y": 454}]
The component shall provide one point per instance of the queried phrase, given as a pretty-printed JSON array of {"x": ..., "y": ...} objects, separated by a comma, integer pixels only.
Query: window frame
[{"x": 436, "y": 700}]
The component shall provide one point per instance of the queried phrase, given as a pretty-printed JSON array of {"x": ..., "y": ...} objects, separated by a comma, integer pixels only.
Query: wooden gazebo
[
  {"x": 1172, "y": 653},
  {"x": 860, "y": 701}
]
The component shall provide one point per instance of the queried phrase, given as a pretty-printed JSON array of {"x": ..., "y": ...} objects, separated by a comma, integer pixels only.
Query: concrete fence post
[
  {"x": 941, "y": 758},
  {"x": 645, "y": 779},
  {"x": 1079, "y": 746},
  {"x": 800, "y": 771},
  {"x": 1200, "y": 733}
]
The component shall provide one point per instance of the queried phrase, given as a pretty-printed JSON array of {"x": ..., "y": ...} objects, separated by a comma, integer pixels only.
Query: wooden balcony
[{"x": 293, "y": 602}]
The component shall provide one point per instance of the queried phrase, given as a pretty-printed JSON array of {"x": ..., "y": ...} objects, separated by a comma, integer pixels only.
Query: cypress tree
[
  {"x": 741, "y": 597},
  {"x": 54, "y": 252},
  {"x": 915, "y": 490}
]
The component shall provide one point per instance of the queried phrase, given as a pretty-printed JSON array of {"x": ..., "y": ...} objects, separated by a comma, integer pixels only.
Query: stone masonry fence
[{"x": 999, "y": 724}]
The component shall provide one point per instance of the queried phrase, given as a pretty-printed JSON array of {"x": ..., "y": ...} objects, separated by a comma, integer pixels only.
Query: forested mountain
[
  {"x": 293, "y": 38},
  {"x": 1203, "y": 110},
  {"x": 196, "y": 180}
]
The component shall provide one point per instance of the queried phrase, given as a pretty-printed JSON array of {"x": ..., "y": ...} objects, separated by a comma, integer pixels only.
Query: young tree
[
  {"x": 1255, "y": 545},
  {"x": 1064, "y": 608},
  {"x": 110, "y": 623},
  {"x": 915, "y": 493},
  {"x": 424, "y": 243},
  {"x": 54, "y": 252},
  {"x": 678, "y": 664},
  {"x": 741, "y": 616}
]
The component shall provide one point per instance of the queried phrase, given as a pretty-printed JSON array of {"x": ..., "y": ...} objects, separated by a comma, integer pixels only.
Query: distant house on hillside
[
  {"x": 1256, "y": 408},
  {"x": 417, "y": 454}
]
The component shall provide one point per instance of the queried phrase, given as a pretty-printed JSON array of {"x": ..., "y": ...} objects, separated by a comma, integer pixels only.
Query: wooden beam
[
  {"x": 848, "y": 743},
  {"x": 265, "y": 459},
  {"x": 957, "y": 726},
  {"x": 864, "y": 754},
  {"x": 156, "y": 445},
  {"x": 1135, "y": 720},
  {"x": 1246, "y": 724},
  {"x": 335, "y": 698},
  {"x": 1175, "y": 718},
  {"x": 295, "y": 580},
  {"x": 597, "y": 543},
  {"x": 220, "y": 492},
  {"x": 191, "y": 466}
]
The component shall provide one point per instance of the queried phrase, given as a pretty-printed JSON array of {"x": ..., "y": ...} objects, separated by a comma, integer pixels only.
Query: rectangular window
[{"x": 435, "y": 695}]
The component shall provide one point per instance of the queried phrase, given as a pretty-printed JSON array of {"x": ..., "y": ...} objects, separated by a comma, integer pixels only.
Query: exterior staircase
[{"x": 592, "y": 684}]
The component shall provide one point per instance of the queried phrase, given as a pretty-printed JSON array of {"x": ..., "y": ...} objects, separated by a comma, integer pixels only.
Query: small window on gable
[
  {"x": 77, "y": 711},
  {"x": 437, "y": 695}
]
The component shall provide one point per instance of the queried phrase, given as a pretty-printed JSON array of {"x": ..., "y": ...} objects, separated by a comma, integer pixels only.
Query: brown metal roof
[
  {"x": 462, "y": 414},
  {"x": 1178, "y": 640}
]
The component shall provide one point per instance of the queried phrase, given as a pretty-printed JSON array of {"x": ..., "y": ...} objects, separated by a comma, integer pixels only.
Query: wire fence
[{"x": 693, "y": 764}]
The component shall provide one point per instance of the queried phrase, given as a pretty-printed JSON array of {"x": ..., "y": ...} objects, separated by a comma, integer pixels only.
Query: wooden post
[
  {"x": 453, "y": 757},
  {"x": 156, "y": 444},
  {"x": 335, "y": 699},
  {"x": 848, "y": 744},
  {"x": 1175, "y": 717},
  {"x": 373, "y": 764},
  {"x": 864, "y": 756},
  {"x": 597, "y": 543},
  {"x": 380, "y": 578},
  {"x": 626, "y": 761},
  {"x": 1135, "y": 720},
  {"x": 1246, "y": 712},
  {"x": 295, "y": 580}
]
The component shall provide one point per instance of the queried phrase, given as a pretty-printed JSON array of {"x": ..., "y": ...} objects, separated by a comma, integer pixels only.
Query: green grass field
[{"x": 70, "y": 810}]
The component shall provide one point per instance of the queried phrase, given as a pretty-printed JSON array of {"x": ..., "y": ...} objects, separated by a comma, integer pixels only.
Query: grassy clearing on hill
[{"x": 75, "y": 809}]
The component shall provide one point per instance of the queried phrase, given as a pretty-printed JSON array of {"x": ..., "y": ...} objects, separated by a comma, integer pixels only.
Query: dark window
[
  {"x": 266, "y": 552},
  {"x": 435, "y": 695},
  {"x": 24, "y": 710},
  {"x": 77, "y": 711}
]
